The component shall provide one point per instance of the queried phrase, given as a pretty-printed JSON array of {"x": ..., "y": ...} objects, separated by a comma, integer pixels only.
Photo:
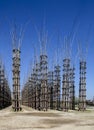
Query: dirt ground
[{"x": 29, "y": 119}]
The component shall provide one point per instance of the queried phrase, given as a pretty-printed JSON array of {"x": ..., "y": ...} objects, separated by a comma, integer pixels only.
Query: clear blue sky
[{"x": 60, "y": 14}]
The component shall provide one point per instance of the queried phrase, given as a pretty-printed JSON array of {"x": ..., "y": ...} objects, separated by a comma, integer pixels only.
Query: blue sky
[{"x": 63, "y": 15}]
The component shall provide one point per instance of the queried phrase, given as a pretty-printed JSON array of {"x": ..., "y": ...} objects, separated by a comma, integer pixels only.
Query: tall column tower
[
  {"x": 44, "y": 87},
  {"x": 16, "y": 80},
  {"x": 65, "y": 88},
  {"x": 72, "y": 88},
  {"x": 57, "y": 87},
  {"x": 82, "y": 86}
]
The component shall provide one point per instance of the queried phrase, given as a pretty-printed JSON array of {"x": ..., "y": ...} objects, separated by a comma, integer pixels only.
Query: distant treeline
[{"x": 90, "y": 103}]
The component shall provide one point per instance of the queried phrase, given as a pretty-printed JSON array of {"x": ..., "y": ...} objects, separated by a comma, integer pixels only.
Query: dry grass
[
  {"x": 29, "y": 119},
  {"x": 37, "y": 114},
  {"x": 58, "y": 121}
]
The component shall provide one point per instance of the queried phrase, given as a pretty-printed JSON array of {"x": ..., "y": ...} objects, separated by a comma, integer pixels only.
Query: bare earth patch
[{"x": 30, "y": 119}]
